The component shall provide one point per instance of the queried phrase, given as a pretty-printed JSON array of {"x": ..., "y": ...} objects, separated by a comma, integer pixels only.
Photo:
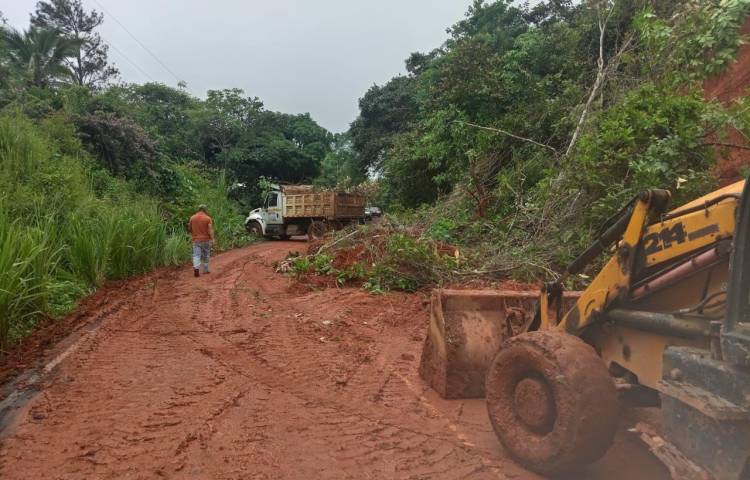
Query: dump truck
[
  {"x": 665, "y": 323},
  {"x": 302, "y": 210}
]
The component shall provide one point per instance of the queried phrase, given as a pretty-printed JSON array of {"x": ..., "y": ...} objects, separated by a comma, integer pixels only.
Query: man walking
[{"x": 201, "y": 228}]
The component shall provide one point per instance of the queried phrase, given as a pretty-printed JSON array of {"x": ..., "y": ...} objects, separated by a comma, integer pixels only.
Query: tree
[
  {"x": 40, "y": 54},
  {"x": 165, "y": 114},
  {"x": 233, "y": 132},
  {"x": 221, "y": 121},
  {"x": 338, "y": 167},
  {"x": 384, "y": 112},
  {"x": 279, "y": 146},
  {"x": 89, "y": 65}
]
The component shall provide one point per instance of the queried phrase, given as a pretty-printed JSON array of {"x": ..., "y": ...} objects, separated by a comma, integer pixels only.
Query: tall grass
[
  {"x": 119, "y": 243},
  {"x": 67, "y": 227},
  {"x": 88, "y": 249},
  {"x": 176, "y": 249},
  {"x": 20, "y": 155},
  {"x": 58, "y": 240},
  {"x": 27, "y": 261}
]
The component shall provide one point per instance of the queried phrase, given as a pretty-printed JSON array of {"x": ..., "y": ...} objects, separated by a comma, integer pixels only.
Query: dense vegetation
[
  {"x": 513, "y": 141},
  {"x": 516, "y": 138},
  {"x": 99, "y": 177}
]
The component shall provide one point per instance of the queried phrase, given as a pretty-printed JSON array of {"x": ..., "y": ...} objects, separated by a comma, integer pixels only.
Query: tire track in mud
[{"x": 284, "y": 365}]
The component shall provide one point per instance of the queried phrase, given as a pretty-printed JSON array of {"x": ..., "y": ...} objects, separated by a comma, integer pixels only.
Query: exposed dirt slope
[
  {"x": 726, "y": 88},
  {"x": 236, "y": 375}
]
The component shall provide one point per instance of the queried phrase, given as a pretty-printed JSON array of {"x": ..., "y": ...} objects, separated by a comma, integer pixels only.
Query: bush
[
  {"x": 379, "y": 260},
  {"x": 652, "y": 139},
  {"x": 118, "y": 142}
]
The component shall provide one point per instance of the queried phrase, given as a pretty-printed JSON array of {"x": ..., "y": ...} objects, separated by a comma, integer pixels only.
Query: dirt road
[{"x": 241, "y": 374}]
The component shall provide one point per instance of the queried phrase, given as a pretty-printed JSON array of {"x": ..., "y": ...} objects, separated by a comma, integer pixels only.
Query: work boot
[{"x": 196, "y": 272}]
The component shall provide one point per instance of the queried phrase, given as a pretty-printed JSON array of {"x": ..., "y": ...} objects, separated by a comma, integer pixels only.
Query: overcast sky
[{"x": 316, "y": 56}]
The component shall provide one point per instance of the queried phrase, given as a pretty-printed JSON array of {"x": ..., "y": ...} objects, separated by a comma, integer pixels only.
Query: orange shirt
[{"x": 199, "y": 226}]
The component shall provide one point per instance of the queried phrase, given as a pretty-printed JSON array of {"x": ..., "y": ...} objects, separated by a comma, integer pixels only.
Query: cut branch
[
  {"x": 338, "y": 240},
  {"x": 504, "y": 132}
]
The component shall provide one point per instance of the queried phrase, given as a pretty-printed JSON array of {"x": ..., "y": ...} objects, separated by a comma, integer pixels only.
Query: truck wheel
[
  {"x": 551, "y": 401},
  {"x": 254, "y": 229},
  {"x": 316, "y": 230}
]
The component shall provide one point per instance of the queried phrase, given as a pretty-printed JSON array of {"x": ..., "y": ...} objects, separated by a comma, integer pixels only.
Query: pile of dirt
[
  {"x": 346, "y": 257},
  {"x": 385, "y": 255},
  {"x": 310, "y": 282},
  {"x": 367, "y": 245}
]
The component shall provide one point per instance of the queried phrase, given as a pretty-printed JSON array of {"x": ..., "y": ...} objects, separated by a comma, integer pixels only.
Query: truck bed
[{"x": 328, "y": 205}]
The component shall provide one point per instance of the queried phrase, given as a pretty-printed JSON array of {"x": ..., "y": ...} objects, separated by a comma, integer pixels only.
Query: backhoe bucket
[{"x": 467, "y": 328}]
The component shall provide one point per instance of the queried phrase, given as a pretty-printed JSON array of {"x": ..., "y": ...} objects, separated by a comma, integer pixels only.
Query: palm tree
[{"x": 39, "y": 54}]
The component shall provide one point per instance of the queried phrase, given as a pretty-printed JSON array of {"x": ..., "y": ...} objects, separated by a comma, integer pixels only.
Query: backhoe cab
[{"x": 668, "y": 314}]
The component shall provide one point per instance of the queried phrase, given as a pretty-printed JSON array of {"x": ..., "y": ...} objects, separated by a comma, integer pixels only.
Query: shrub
[
  {"x": 654, "y": 138},
  {"x": 118, "y": 142}
]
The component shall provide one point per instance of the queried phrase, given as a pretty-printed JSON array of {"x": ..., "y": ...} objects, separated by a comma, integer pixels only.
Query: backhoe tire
[
  {"x": 551, "y": 401},
  {"x": 254, "y": 229}
]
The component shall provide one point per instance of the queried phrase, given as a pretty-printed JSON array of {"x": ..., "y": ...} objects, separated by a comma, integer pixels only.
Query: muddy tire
[
  {"x": 254, "y": 229},
  {"x": 551, "y": 401},
  {"x": 316, "y": 230}
]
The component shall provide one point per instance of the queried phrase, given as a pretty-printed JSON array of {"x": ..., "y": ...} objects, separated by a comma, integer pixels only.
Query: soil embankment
[
  {"x": 727, "y": 87},
  {"x": 238, "y": 375}
]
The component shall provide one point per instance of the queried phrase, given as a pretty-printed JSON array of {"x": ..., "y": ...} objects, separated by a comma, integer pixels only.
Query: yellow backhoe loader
[{"x": 666, "y": 321}]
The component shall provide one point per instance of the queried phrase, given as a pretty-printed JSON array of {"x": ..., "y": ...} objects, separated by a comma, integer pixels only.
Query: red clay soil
[
  {"x": 726, "y": 88},
  {"x": 48, "y": 332},
  {"x": 238, "y": 375}
]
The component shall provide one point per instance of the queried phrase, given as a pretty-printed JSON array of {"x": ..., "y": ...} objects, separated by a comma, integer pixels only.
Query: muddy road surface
[{"x": 243, "y": 374}]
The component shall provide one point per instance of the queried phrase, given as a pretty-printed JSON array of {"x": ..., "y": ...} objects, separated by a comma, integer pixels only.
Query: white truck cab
[{"x": 268, "y": 221}]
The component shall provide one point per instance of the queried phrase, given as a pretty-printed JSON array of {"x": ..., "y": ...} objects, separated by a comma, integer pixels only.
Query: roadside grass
[
  {"x": 67, "y": 227},
  {"x": 28, "y": 259}
]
